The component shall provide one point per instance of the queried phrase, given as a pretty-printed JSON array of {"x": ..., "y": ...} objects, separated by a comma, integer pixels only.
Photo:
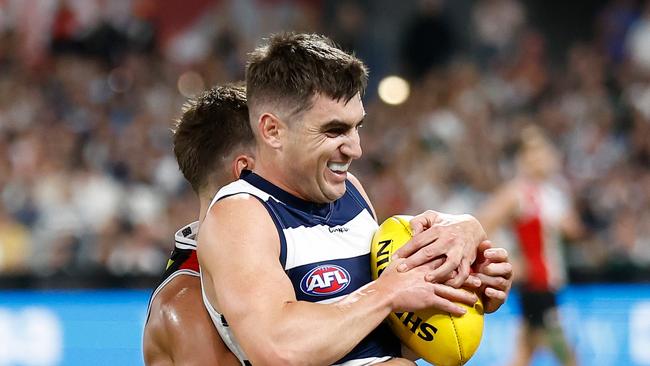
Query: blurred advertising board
[{"x": 608, "y": 324}]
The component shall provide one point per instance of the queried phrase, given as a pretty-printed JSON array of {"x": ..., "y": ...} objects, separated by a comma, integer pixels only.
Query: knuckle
[
  {"x": 452, "y": 239},
  {"x": 429, "y": 252},
  {"x": 500, "y": 282},
  {"x": 454, "y": 260}
]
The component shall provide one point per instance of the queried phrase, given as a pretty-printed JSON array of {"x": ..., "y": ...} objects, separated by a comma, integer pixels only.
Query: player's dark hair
[
  {"x": 212, "y": 126},
  {"x": 290, "y": 69}
]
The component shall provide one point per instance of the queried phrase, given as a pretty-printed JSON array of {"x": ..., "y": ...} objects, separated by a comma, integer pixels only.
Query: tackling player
[{"x": 213, "y": 143}]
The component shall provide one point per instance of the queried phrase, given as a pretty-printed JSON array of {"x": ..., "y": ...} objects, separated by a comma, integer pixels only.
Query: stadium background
[{"x": 90, "y": 194}]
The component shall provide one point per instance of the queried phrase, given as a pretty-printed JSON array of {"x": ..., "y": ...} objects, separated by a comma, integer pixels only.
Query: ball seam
[{"x": 460, "y": 349}]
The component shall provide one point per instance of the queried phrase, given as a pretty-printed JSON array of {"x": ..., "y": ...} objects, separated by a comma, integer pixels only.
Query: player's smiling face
[{"x": 320, "y": 146}]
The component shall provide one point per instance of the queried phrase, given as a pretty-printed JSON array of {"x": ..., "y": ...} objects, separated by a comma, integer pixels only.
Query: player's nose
[{"x": 352, "y": 146}]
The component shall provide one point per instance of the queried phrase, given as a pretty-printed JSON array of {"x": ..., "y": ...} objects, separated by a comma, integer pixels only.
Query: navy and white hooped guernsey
[{"x": 325, "y": 251}]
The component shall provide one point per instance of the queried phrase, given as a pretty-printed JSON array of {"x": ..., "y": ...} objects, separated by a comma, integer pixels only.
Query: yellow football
[{"x": 436, "y": 336}]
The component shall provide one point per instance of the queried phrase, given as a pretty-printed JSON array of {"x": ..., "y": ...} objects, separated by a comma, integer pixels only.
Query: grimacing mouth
[{"x": 338, "y": 167}]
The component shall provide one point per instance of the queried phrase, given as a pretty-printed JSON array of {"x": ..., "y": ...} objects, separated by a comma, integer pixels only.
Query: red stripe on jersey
[
  {"x": 530, "y": 232},
  {"x": 192, "y": 262},
  {"x": 531, "y": 240}
]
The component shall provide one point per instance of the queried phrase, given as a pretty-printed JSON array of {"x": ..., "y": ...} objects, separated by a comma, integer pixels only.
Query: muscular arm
[
  {"x": 239, "y": 250},
  {"x": 179, "y": 330}
]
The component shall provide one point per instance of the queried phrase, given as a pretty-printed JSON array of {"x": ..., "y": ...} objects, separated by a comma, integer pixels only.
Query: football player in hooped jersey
[{"x": 284, "y": 251}]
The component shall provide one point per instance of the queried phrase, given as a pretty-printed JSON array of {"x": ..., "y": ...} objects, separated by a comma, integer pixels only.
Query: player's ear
[
  {"x": 270, "y": 128},
  {"x": 240, "y": 163}
]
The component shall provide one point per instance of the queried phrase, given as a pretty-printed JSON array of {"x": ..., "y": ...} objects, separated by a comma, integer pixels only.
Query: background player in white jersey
[
  {"x": 213, "y": 142},
  {"x": 305, "y": 106},
  {"x": 538, "y": 208}
]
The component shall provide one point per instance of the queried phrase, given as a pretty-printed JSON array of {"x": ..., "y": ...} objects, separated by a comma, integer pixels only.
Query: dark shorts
[{"x": 539, "y": 308}]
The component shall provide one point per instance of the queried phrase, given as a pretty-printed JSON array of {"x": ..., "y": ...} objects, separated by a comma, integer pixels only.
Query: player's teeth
[{"x": 338, "y": 167}]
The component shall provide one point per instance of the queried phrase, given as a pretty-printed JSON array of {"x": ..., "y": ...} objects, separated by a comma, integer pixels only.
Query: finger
[
  {"x": 498, "y": 283},
  {"x": 417, "y": 226},
  {"x": 472, "y": 281},
  {"x": 491, "y": 305},
  {"x": 424, "y": 255},
  {"x": 447, "y": 279},
  {"x": 431, "y": 265},
  {"x": 445, "y": 305},
  {"x": 456, "y": 295},
  {"x": 423, "y": 221},
  {"x": 399, "y": 264},
  {"x": 497, "y": 269},
  {"x": 416, "y": 243},
  {"x": 495, "y": 294},
  {"x": 440, "y": 274},
  {"x": 461, "y": 277},
  {"x": 484, "y": 245},
  {"x": 496, "y": 254},
  {"x": 437, "y": 262}
]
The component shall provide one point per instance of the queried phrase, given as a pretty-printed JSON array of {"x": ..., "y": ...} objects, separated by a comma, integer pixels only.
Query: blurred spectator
[
  {"x": 638, "y": 40},
  {"x": 347, "y": 29},
  {"x": 15, "y": 244},
  {"x": 497, "y": 24},
  {"x": 613, "y": 23},
  {"x": 427, "y": 42}
]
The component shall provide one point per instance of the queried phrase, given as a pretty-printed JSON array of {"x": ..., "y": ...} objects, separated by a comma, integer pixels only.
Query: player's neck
[
  {"x": 277, "y": 178},
  {"x": 204, "y": 204}
]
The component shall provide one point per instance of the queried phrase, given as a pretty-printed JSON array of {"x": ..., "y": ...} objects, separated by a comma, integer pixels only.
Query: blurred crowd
[{"x": 88, "y": 182}]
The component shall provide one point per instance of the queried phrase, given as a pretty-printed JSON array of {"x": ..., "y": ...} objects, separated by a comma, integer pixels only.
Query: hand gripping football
[{"x": 436, "y": 336}]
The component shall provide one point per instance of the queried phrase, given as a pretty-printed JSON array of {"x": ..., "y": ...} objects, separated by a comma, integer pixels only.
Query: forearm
[{"x": 306, "y": 333}]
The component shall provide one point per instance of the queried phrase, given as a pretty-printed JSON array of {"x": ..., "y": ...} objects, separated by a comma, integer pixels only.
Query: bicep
[{"x": 239, "y": 248}]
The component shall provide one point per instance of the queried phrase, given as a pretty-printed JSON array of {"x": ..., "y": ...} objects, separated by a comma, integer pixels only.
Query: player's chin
[{"x": 334, "y": 191}]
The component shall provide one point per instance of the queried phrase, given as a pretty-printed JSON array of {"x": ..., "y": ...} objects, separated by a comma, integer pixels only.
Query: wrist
[
  {"x": 477, "y": 228},
  {"x": 383, "y": 293},
  {"x": 376, "y": 297}
]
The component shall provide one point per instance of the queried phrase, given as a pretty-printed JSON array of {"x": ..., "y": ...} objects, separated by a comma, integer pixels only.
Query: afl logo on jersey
[{"x": 324, "y": 280}]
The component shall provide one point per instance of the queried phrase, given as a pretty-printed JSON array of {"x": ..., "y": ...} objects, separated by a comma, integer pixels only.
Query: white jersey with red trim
[
  {"x": 182, "y": 260},
  {"x": 542, "y": 207}
]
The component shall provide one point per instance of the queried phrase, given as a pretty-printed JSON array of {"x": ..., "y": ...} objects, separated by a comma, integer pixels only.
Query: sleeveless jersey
[
  {"x": 325, "y": 252},
  {"x": 182, "y": 260},
  {"x": 537, "y": 227}
]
